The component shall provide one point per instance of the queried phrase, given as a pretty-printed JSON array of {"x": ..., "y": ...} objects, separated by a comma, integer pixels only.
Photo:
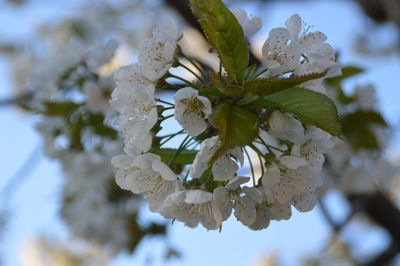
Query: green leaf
[
  {"x": 250, "y": 72},
  {"x": 226, "y": 89},
  {"x": 236, "y": 126},
  {"x": 357, "y": 129},
  {"x": 96, "y": 121},
  {"x": 265, "y": 86},
  {"x": 350, "y": 71},
  {"x": 347, "y": 72},
  {"x": 225, "y": 33},
  {"x": 184, "y": 157},
  {"x": 60, "y": 108},
  {"x": 336, "y": 82},
  {"x": 311, "y": 107},
  {"x": 211, "y": 92}
]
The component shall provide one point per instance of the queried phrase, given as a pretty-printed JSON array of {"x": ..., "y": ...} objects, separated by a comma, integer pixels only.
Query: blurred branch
[
  {"x": 385, "y": 257},
  {"x": 384, "y": 213},
  {"x": 21, "y": 175},
  {"x": 18, "y": 100},
  {"x": 336, "y": 227}
]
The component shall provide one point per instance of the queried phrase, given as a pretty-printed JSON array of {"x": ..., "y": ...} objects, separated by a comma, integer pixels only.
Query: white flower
[
  {"x": 193, "y": 207},
  {"x": 285, "y": 126},
  {"x": 97, "y": 94},
  {"x": 281, "y": 51},
  {"x": 122, "y": 165},
  {"x": 146, "y": 173},
  {"x": 243, "y": 201},
  {"x": 365, "y": 97},
  {"x": 133, "y": 101},
  {"x": 284, "y": 47},
  {"x": 250, "y": 26},
  {"x": 131, "y": 75},
  {"x": 191, "y": 109},
  {"x": 224, "y": 167},
  {"x": 137, "y": 131},
  {"x": 201, "y": 162},
  {"x": 101, "y": 54},
  {"x": 157, "y": 53}
]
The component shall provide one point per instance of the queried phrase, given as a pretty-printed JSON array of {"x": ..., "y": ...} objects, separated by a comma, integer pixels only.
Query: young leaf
[
  {"x": 226, "y": 89},
  {"x": 184, "y": 157},
  {"x": 96, "y": 121},
  {"x": 311, "y": 107},
  {"x": 225, "y": 33},
  {"x": 60, "y": 108},
  {"x": 265, "y": 86},
  {"x": 357, "y": 128},
  {"x": 236, "y": 126}
]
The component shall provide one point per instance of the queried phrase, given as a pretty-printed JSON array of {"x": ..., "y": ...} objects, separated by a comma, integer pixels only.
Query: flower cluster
[
  {"x": 75, "y": 123},
  {"x": 230, "y": 117}
]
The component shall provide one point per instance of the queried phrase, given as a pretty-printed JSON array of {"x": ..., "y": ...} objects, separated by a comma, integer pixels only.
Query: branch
[
  {"x": 385, "y": 214},
  {"x": 18, "y": 100}
]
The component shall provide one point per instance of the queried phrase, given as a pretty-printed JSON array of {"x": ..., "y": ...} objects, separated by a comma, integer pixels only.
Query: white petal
[
  {"x": 207, "y": 150},
  {"x": 222, "y": 200},
  {"x": 305, "y": 202},
  {"x": 245, "y": 211},
  {"x": 235, "y": 182},
  {"x": 293, "y": 24},
  {"x": 271, "y": 176},
  {"x": 140, "y": 181},
  {"x": 145, "y": 161},
  {"x": 281, "y": 211},
  {"x": 237, "y": 154},
  {"x": 198, "y": 196},
  {"x": 263, "y": 217},
  {"x": 164, "y": 170},
  {"x": 253, "y": 193},
  {"x": 292, "y": 162},
  {"x": 249, "y": 26},
  {"x": 224, "y": 168}
]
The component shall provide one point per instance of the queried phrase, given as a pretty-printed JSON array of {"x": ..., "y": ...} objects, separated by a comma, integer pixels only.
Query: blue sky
[{"x": 35, "y": 204}]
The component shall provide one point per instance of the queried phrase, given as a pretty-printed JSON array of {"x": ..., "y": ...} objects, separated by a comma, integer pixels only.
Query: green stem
[
  {"x": 262, "y": 72},
  {"x": 173, "y": 134},
  {"x": 192, "y": 62},
  {"x": 161, "y": 101},
  {"x": 184, "y": 80},
  {"x": 181, "y": 147},
  {"x": 191, "y": 71},
  {"x": 165, "y": 141},
  {"x": 168, "y": 116}
]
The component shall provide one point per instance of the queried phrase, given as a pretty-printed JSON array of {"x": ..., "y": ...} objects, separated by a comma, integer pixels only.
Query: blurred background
[{"x": 345, "y": 229}]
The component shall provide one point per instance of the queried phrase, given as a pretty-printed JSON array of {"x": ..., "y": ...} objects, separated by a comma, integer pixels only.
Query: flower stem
[
  {"x": 184, "y": 80},
  {"x": 173, "y": 134},
  {"x": 262, "y": 72},
  {"x": 181, "y": 147},
  {"x": 161, "y": 101},
  {"x": 191, "y": 71}
]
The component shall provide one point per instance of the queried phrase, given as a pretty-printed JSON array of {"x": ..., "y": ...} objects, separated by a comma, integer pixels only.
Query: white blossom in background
[
  {"x": 43, "y": 250},
  {"x": 362, "y": 171},
  {"x": 250, "y": 25}
]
